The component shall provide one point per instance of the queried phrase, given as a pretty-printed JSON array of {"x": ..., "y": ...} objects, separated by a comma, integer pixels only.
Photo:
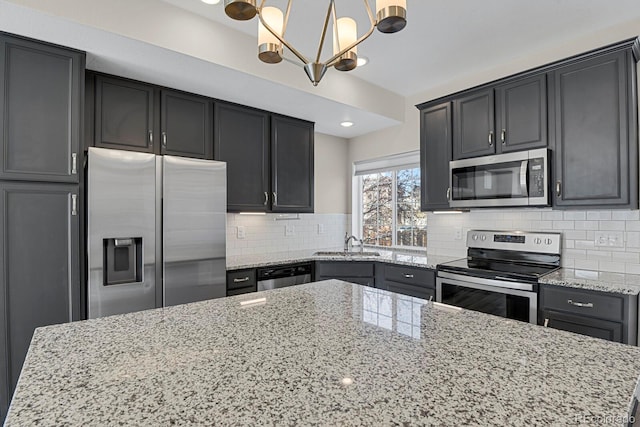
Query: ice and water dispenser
[{"x": 122, "y": 260}]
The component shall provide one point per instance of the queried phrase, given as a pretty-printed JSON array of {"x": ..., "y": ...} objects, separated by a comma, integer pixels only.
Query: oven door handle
[
  {"x": 524, "y": 168},
  {"x": 470, "y": 281}
]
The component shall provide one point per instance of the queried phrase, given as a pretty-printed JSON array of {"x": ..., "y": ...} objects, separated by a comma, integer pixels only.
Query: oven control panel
[{"x": 515, "y": 241}]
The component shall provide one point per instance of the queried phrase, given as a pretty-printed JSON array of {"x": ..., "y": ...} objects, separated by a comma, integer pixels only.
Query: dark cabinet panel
[
  {"x": 39, "y": 280},
  {"x": 595, "y": 129},
  {"x": 186, "y": 125},
  {"x": 521, "y": 114},
  {"x": 124, "y": 114},
  {"x": 292, "y": 165},
  {"x": 473, "y": 121},
  {"x": 241, "y": 281},
  {"x": 40, "y": 110},
  {"x": 410, "y": 290},
  {"x": 362, "y": 273},
  {"x": 242, "y": 140},
  {"x": 597, "y": 328},
  {"x": 435, "y": 154}
]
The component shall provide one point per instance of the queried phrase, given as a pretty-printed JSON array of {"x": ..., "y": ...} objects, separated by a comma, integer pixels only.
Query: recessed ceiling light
[
  {"x": 211, "y": 1},
  {"x": 346, "y": 124},
  {"x": 362, "y": 61}
]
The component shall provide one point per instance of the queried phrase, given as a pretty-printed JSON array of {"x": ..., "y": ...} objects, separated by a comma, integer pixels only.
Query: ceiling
[
  {"x": 446, "y": 46},
  {"x": 443, "y": 39}
]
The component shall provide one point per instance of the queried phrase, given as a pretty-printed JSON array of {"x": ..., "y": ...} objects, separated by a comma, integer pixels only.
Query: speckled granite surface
[
  {"x": 594, "y": 280},
  {"x": 412, "y": 258},
  {"x": 327, "y": 353}
]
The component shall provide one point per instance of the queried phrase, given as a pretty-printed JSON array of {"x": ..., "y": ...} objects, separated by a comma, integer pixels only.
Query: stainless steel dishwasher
[{"x": 283, "y": 276}]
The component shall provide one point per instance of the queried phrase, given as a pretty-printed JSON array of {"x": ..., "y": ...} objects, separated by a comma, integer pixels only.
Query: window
[{"x": 387, "y": 202}]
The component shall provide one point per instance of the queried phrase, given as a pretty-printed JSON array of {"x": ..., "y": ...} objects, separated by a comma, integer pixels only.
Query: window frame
[{"x": 394, "y": 163}]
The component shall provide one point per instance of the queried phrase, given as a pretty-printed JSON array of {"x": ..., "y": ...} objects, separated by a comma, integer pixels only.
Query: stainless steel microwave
[{"x": 512, "y": 179}]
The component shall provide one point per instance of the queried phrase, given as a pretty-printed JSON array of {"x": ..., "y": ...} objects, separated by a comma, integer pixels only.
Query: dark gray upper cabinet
[
  {"x": 595, "y": 131},
  {"x": 435, "y": 154},
  {"x": 185, "y": 125},
  {"x": 242, "y": 140},
  {"x": 292, "y": 165},
  {"x": 473, "y": 125},
  {"x": 39, "y": 270},
  {"x": 521, "y": 114},
  {"x": 124, "y": 114},
  {"x": 40, "y": 110}
]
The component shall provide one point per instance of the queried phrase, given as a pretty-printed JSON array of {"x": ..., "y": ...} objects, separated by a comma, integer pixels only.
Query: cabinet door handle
[
  {"x": 449, "y": 194},
  {"x": 408, "y": 276},
  {"x": 266, "y": 198},
  {"x": 490, "y": 138},
  {"x": 74, "y": 204},
  {"x": 546, "y": 323},
  {"x": 503, "y": 136},
  {"x": 240, "y": 280},
  {"x": 74, "y": 163},
  {"x": 275, "y": 199},
  {"x": 580, "y": 304},
  {"x": 164, "y": 139},
  {"x": 558, "y": 188},
  {"x": 150, "y": 137}
]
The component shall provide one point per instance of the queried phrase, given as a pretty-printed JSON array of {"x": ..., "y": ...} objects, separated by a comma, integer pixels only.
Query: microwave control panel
[{"x": 536, "y": 177}]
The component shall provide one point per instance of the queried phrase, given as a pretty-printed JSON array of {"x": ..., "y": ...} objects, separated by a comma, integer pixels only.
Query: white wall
[{"x": 332, "y": 174}]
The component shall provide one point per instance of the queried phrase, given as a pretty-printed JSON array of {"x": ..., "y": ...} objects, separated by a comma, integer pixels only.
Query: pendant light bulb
[
  {"x": 269, "y": 47},
  {"x": 391, "y": 15},
  {"x": 240, "y": 10},
  {"x": 345, "y": 33}
]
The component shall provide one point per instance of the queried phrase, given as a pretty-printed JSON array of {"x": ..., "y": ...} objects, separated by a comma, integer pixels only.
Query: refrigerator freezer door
[
  {"x": 121, "y": 221},
  {"x": 194, "y": 214}
]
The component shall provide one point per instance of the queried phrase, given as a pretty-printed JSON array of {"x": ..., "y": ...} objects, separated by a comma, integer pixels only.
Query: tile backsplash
[
  {"x": 605, "y": 240},
  {"x": 264, "y": 233}
]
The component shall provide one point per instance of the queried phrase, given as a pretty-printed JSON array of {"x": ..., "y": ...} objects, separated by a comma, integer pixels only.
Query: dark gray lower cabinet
[
  {"x": 241, "y": 281},
  {"x": 412, "y": 281},
  {"x": 609, "y": 316},
  {"x": 39, "y": 270},
  {"x": 360, "y": 272}
]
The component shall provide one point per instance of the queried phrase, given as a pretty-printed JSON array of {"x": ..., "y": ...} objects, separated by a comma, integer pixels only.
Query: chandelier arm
[
  {"x": 331, "y": 61},
  {"x": 293, "y": 50},
  {"x": 332, "y": 6},
  {"x": 286, "y": 17}
]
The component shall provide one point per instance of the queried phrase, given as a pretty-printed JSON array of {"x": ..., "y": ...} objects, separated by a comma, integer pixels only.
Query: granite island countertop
[
  {"x": 391, "y": 256},
  {"x": 325, "y": 353}
]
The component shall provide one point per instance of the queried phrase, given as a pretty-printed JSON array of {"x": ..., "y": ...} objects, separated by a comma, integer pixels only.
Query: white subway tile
[
  {"x": 598, "y": 215},
  {"x": 632, "y": 225},
  {"x": 584, "y": 244},
  {"x": 612, "y": 225},
  {"x": 563, "y": 225},
  {"x": 552, "y": 216},
  {"x": 584, "y": 264},
  {"x": 632, "y": 268},
  {"x": 625, "y": 215},
  {"x": 599, "y": 255},
  {"x": 615, "y": 267},
  {"x": 574, "y": 215},
  {"x": 586, "y": 225}
]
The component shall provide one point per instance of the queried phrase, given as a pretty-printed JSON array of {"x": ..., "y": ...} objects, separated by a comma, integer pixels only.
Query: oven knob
[
  {"x": 537, "y": 240},
  {"x": 474, "y": 237},
  {"x": 548, "y": 241},
  {"x": 483, "y": 237}
]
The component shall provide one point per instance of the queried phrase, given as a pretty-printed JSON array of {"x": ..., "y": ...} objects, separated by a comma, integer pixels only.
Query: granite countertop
[
  {"x": 325, "y": 353},
  {"x": 622, "y": 283},
  {"x": 400, "y": 257}
]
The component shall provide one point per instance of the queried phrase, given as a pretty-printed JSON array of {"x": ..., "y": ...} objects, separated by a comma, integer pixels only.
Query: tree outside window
[{"x": 391, "y": 209}]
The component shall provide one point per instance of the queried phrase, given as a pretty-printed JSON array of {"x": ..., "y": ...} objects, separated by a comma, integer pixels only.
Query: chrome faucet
[{"x": 348, "y": 244}]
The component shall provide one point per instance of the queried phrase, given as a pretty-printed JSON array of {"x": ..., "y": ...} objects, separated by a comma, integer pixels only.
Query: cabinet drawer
[
  {"x": 330, "y": 269},
  {"x": 604, "y": 329},
  {"x": 411, "y": 276},
  {"x": 411, "y": 290},
  {"x": 241, "y": 279},
  {"x": 585, "y": 303}
]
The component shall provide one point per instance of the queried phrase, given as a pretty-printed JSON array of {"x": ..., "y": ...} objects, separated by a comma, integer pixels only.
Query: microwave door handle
[{"x": 524, "y": 168}]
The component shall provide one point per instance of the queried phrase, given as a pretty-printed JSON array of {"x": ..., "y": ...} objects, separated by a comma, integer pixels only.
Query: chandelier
[{"x": 391, "y": 17}]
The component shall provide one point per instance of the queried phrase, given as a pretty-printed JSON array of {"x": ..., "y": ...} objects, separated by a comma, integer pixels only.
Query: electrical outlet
[
  {"x": 289, "y": 230},
  {"x": 457, "y": 234},
  {"x": 320, "y": 228},
  {"x": 614, "y": 239},
  {"x": 240, "y": 232}
]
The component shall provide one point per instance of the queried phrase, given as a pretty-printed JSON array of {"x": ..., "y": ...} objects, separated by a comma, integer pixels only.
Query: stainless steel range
[{"x": 500, "y": 274}]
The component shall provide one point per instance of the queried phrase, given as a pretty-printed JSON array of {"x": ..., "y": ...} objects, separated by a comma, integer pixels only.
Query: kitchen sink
[{"x": 346, "y": 254}]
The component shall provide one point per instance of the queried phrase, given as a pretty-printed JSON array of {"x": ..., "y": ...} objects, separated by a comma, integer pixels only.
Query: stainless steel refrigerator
[{"x": 156, "y": 229}]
